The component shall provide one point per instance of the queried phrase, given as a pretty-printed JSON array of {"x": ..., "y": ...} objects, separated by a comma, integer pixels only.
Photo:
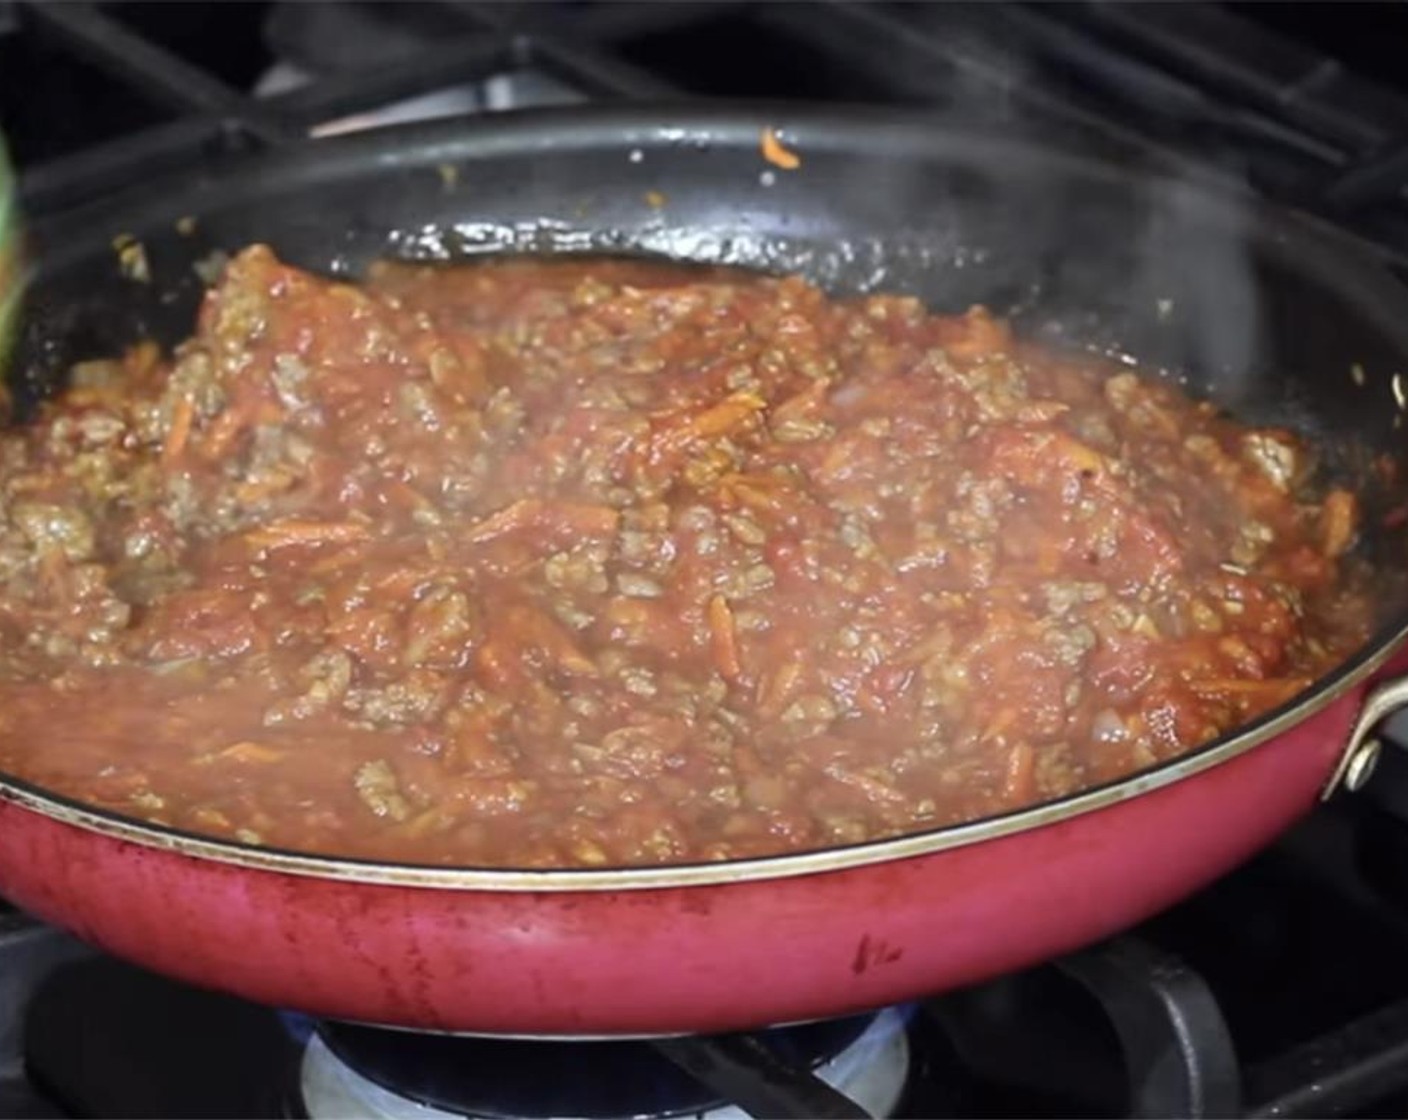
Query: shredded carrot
[
  {"x": 293, "y": 531},
  {"x": 799, "y": 404},
  {"x": 746, "y": 761},
  {"x": 221, "y": 433},
  {"x": 776, "y": 691},
  {"x": 778, "y": 155},
  {"x": 1019, "y": 782},
  {"x": 338, "y": 560},
  {"x": 506, "y": 520},
  {"x": 182, "y": 413},
  {"x": 211, "y": 818},
  {"x": 920, "y": 652},
  {"x": 402, "y": 581},
  {"x": 873, "y": 790},
  {"x": 976, "y": 333},
  {"x": 500, "y": 659},
  {"x": 724, "y": 638},
  {"x": 570, "y": 517},
  {"x": 1076, "y": 454},
  {"x": 541, "y": 630},
  {"x": 143, "y": 357},
  {"x": 273, "y": 483},
  {"x": 406, "y": 495},
  {"x": 496, "y": 664},
  {"x": 757, "y": 491},
  {"x": 1339, "y": 520},
  {"x": 715, "y": 420},
  {"x": 52, "y": 569},
  {"x": 1004, "y": 719},
  {"x": 585, "y": 518},
  {"x": 427, "y": 822},
  {"x": 244, "y": 411},
  {"x": 247, "y": 751}
]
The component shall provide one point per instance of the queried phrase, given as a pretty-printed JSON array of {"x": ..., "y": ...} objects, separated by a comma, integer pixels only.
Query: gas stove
[{"x": 1282, "y": 990}]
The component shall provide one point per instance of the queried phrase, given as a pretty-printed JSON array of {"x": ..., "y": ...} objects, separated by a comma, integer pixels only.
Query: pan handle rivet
[{"x": 1361, "y": 764}]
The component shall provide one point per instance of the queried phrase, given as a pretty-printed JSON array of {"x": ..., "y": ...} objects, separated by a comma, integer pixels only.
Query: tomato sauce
[{"x": 585, "y": 563}]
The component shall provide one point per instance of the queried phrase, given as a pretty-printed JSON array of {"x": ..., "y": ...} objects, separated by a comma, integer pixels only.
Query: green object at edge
[{"x": 9, "y": 260}]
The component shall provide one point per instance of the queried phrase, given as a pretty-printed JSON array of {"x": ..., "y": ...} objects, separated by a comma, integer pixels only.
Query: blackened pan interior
[{"x": 1276, "y": 318}]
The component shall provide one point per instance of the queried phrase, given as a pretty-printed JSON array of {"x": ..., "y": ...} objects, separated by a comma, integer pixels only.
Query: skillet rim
[{"x": 1351, "y": 267}]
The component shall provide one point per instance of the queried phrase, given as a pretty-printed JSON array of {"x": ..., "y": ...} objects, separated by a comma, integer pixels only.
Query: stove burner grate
[{"x": 845, "y": 1068}]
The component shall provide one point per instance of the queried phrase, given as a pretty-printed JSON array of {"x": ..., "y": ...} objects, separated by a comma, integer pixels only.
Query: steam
[
  {"x": 1153, "y": 267},
  {"x": 1200, "y": 278},
  {"x": 1146, "y": 267}
]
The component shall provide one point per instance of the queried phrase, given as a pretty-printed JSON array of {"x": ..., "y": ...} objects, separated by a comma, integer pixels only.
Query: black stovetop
[
  {"x": 1283, "y": 989},
  {"x": 1307, "y": 102}
]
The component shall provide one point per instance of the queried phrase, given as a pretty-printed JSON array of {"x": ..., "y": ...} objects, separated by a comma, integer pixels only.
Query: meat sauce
[{"x": 534, "y": 564}]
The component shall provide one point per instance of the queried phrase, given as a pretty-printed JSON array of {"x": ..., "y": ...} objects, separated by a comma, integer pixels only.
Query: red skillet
[{"x": 1268, "y": 311}]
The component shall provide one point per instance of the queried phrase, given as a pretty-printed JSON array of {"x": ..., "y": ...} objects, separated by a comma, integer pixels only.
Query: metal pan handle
[{"x": 1362, "y": 749}]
